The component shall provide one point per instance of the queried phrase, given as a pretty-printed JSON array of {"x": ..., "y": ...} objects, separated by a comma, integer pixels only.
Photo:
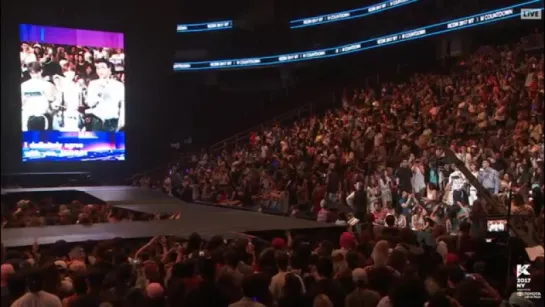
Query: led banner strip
[
  {"x": 351, "y": 14},
  {"x": 207, "y": 26},
  {"x": 418, "y": 33}
]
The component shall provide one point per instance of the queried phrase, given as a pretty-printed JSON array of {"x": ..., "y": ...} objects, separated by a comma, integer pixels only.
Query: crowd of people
[
  {"x": 72, "y": 88},
  {"x": 391, "y": 143},
  {"x": 46, "y": 212},
  {"x": 378, "y": 164},
  {"x": 386, "y": 268}
]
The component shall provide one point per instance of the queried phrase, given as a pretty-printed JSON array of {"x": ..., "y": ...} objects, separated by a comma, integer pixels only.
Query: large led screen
[{"x": 72, "y": 94}]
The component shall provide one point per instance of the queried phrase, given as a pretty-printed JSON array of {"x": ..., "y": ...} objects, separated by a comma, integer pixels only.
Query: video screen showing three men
[{"x": 72, "y": 94}]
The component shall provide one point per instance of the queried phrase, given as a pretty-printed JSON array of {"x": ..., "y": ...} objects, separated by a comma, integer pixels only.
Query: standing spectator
[
  {"x": 293, "y": 292},
  {"x": 457, "y": 182},
  {"x": 361, "y": 296},
  {"x": 255, "y": 290},
  {"x": 489, "y": 177},
  {"x": 325, "y": 284},
  {"x": 6, "y": 272},
  {"x": 279, "y": 280},
  {"x": 35, "y": 295},
  {"x": 357, "y": 200}
]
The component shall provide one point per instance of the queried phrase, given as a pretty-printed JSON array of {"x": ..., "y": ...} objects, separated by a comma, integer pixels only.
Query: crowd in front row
[
  {"x": 46, "y": 212},
  {"x": 372, "y": 268}
]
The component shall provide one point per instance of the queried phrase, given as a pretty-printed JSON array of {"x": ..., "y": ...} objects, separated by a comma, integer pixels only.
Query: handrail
[{"x": 298, "y": 112}]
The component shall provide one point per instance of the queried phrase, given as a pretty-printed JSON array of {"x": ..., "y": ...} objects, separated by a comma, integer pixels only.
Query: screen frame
[{"x": 70, "y": 165}]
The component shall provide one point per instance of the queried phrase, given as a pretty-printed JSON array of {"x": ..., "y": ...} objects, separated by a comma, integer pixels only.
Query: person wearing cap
[
  {"x": 361, "y": 296},
  {"x": 278, "y": 243}
]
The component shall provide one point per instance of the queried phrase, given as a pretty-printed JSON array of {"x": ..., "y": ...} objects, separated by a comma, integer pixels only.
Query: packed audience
[
  {"x": 391, "y": 144},
  {"x": 27, "y": 213},
  {"x": 379, "y": 166},
  {"x": 55, "y": 58},
  {"x": 386, "y": 268}
]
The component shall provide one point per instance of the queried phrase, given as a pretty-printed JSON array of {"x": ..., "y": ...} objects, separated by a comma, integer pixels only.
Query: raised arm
[
  {"x": 145, "y": 247},
  {"x": 350, "y": 199}
]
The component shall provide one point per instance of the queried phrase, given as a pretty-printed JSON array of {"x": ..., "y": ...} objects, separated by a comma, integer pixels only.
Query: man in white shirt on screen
[
  {"x": 71, "y": 99},
  {"x": 496, "y": 227},
  {"x": 37, "y": 95},
  {"x": 492, "y": 227},
  {"x": 106, "y": 98}
]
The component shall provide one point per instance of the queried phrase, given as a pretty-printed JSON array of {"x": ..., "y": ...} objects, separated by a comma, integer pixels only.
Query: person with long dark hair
[
  {"x": 15, "y": 286},
  {"x": 255, "y": 290},
  {"x": 292, "y": 292},
  {"x": 36, "y": 296}
]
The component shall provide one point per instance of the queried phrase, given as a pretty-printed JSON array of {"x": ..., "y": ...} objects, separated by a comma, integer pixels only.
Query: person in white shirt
[
  {"x": 497, "y": 227},
  {"x": 350, "y": 198},
  {"x": 456, "y": 180},
  {"x": 106, "y": 99},
  {"x": 118, "y": 60},
  {"x": 72, "y": 93},
  {"x": 493, "y": 227},
  {"x": 357, "y": 200},
  {"x": 401, "y": 220},
  {"x": 37, "y": 95}
]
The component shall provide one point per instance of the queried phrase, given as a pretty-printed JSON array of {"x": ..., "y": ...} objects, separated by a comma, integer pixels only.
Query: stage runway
[{"x": 205, "y": 220}]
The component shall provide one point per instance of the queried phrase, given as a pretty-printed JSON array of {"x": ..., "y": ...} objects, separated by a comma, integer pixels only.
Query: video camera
[{"x": 496, "y": 229}]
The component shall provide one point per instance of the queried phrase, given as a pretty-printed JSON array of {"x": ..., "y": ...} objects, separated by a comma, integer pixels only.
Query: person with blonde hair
[
  {"x": 380, "y": 253},
  {"x": 322, "y": 301}
]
